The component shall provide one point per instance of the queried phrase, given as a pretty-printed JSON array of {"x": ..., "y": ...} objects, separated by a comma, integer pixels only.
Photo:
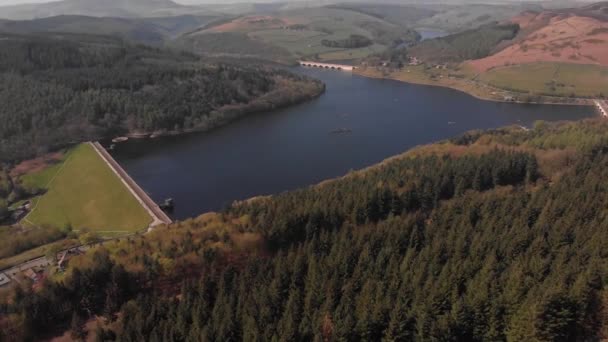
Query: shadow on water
[{"x": 298, "y": 146}]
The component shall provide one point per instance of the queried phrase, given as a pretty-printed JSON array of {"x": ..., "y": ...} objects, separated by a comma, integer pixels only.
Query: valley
[
  {"x": 405, "y": 210},
  {"x": 551, "y": 56},
  {"x": 303, "y": 170}
]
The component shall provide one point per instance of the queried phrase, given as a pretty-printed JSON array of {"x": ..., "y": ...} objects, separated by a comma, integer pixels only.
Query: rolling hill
[
  {"x": 463, "y": 17},
  {"x": 466, "y": 45},
  {"x": 95, "y": 8},
  {"x": 556, "y": 53},
  {"x": 301, "y": 32},
  {"x": 152, "y": 31},
  {"x": 567, "y": 37},
  {"x": 402, "y": 15}
]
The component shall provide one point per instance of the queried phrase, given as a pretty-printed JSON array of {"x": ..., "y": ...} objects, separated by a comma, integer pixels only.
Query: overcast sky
[
  {"x": 17, "y": 2},
  {"x": 185, "y": 2}
]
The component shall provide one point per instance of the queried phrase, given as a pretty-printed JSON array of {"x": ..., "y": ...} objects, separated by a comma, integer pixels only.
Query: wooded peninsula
[{"x": 58, "y": 89}]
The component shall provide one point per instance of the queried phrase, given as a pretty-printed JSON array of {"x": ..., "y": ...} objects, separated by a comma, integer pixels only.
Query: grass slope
[
  {"x": 470, "y": 44},
  {"x": 554, "y": 79},
  {"x": 85, "y": 193},
  {"x": 459, "y": 18},
  {"x": 299, "y": 34},
  {"x": 41, "y": 179},
  {"x": 151, "y": 31}
]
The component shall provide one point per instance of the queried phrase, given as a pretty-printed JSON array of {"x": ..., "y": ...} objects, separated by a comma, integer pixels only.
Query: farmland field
[
  {"x": 558, "y": 79},
  {"x": 351, "y": 54},
  {"x": 301, "y": 32},
  {"x": 459, "y": 18},
  {"x": 85, "y": 193}
]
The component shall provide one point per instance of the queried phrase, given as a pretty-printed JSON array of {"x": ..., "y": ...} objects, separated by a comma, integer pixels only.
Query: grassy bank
[
  {"x": 554, "y": 79},
  {"x": 83, "y": 192},
  {"x": 467, "y": 81}
]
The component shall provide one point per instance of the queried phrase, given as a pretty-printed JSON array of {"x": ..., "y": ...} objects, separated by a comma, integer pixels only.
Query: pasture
[
  {"x": 301, "y": 32},
  {"x": 554, "y": 79}
]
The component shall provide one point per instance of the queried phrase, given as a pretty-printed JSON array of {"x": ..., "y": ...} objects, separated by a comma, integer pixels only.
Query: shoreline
[
  {"x": 364, "y": 72},
  {"x": 233, "y": 113}
]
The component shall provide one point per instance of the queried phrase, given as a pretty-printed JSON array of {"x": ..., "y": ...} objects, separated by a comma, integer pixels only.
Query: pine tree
[{"x": 77, "y": 328}]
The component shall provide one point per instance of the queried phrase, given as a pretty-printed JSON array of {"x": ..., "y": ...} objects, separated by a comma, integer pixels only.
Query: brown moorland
[{"x": 552, "y": 37}]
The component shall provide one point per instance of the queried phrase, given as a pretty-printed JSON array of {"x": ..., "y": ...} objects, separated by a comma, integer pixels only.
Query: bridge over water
[{"x": 327, "y": 66}]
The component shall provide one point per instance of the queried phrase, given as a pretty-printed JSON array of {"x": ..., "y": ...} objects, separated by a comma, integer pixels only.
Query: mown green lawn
[
  {"x": 41, "y": 179},
  {"x": 559, "y": 79},
  {"x": 84, "y": 192}
]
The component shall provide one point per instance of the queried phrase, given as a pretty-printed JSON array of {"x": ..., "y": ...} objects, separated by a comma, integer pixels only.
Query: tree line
[
  {"x": 57, "y": 91},
  {"x": 354, "y": 41},
  {"x": 494, "y": 236}
]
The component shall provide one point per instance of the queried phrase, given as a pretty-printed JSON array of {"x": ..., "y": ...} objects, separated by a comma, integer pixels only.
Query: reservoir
[
  {"x": 356, "y": 123},
  {"x": 430, "y": 33}
]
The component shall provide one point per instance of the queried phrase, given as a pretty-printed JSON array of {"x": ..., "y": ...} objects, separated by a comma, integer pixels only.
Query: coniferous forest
[
  {"x": 492, "y": 236},
  {"x": 58, "y": 89}
]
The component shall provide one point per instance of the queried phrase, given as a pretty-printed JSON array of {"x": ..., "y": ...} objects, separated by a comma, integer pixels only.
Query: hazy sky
[
  {"x": 14, "y": 2},
  {"x": 17, "y": 2},
  {"x": 185, "y": 2}
]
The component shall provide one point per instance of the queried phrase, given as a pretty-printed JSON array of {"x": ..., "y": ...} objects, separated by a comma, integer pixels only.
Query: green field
[
  {"x": 308, "y": 43},
  {"x": 84, "y": 192},
  {"x": 351, "y": 54},
  {"x": 296, "y": 42},
  {"x": 558, "y": 79},
  {"x": 317, "y": 24},
  {"x": 41, "y": 179},
  {"x": 459, "y": 18}
]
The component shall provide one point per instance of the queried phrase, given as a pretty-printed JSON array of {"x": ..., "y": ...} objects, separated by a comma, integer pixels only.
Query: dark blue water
[
  {"x": 430, "y": 33},
  {"x": 286, "y": 149}
]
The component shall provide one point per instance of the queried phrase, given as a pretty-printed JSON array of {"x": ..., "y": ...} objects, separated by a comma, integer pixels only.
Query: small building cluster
[
  {"x": 36, "y": 270},
  {"x": 412, "y": 60},
  {"x": 18, "y": 213},
  {"x": 602, "y": 106}
]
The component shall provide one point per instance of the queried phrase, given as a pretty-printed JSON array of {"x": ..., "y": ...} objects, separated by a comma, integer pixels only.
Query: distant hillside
[
  {"x": 152, "y": 31},
  {"x": 577, "y": 36},
  {"x": 470, "y": 44},
  {"x": 302, "y": 32},
  {"x": 406, "y": 16},
  {"x": 597, "y": 10},
  {"x": 456, "y": 18},
  {"x": 272, "y": 34},
  {"x": 231, "y": 44},
  {"x": 98, "y": 8}
]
